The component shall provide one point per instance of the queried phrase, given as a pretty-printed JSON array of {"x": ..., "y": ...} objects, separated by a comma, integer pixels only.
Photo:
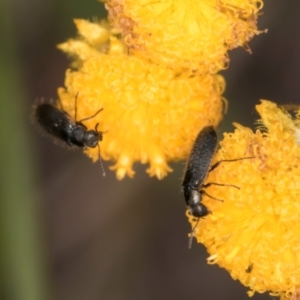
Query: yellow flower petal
[
  {"x": 93, "y": 33},
  {"x": 254, "y": 233},
  {"x": 186, "y": 34},
  {"x": 79, "y": 49}
]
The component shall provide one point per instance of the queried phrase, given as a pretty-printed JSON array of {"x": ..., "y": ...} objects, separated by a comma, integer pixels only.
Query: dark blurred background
[{"x": 66, "y": 232}]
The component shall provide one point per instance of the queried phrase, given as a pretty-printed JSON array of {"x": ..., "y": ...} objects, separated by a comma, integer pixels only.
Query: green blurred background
[{"x": 68, "y": 233}]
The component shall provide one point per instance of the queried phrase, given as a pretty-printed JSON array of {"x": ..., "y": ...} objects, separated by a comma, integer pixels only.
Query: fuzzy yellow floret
[
  {"x": 150, "y": 113},
  {"x": 254, "y": 233},
  {"x": 186, "y": 34}
]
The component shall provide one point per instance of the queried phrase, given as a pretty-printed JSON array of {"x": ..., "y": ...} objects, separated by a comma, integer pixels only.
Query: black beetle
[
  {"x": 197, "y": 168},
  {"x": 60, "y": 125}
]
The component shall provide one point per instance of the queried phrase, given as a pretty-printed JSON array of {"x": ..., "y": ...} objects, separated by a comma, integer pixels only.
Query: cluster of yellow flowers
[
  {"x": 153, "y": 71},
  {"x": 153, "y": 68}
]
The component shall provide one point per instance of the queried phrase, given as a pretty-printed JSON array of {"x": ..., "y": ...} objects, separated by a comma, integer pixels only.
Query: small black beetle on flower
[
  {"x": 60, "y": 125},
  {"x": 197, "y": 169}
]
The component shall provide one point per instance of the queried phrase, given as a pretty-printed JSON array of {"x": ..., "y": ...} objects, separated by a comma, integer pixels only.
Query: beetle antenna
[
  {"x": 192, "y": 234},
  {"x": 99, "y": 154},
  {"x": 75, "y": 113},
  {"x": 100, "y": 161},
  {"x": 90, "y": 117}
]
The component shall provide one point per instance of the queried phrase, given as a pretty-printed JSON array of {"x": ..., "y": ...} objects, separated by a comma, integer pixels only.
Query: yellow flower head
[
  {"x": 186, "y": 34},
  {"x": 255, "y": 232},
  {"x": 150, "y": 113}
]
